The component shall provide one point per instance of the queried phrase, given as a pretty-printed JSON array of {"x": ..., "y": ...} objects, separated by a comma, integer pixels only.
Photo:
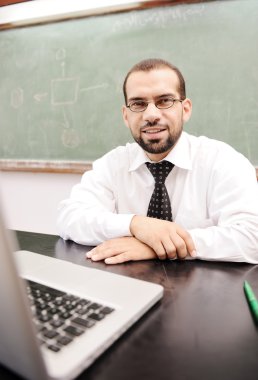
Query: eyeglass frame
[{"x": 155, "y": 103}]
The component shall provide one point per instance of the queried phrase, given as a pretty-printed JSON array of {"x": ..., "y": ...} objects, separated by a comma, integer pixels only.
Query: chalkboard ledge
[{"x": 42, "y": 166}]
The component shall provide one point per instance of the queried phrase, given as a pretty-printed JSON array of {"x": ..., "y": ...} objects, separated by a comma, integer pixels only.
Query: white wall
[
  {"x": 30, "y": 12},
  {"x": 30, "y": 199}
]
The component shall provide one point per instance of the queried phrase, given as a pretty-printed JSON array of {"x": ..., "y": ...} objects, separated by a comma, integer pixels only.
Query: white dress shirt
[{"x": 212, "y": 189}]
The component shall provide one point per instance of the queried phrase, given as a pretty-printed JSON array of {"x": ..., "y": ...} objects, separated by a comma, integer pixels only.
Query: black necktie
[{"x": 159, "y": 206}]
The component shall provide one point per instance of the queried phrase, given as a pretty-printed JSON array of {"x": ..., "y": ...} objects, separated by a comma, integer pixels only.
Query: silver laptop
[{"x": 58, "y": 328}]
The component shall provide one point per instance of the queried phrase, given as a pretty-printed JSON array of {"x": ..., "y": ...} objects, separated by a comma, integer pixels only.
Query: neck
[{"x": 156, "y": 157}]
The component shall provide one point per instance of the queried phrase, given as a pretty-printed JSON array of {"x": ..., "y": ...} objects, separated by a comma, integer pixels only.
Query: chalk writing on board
[
  {"x": 17, "y": 97},
  {"x": 70, "y": 138},
  {"x": 64, "y": 91},
  {"x": 159, "y": 18},
  {"x": 39, "y": 97},
  {"x": 60, "y": 54},
  {"x": 102, "y": 85}
]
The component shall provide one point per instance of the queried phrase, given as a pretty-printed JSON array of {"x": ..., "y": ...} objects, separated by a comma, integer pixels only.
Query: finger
[
  {"x": 118, "y": 259},
  {"x": 159, "y": 250},
  {"x": 90, "y": 253},
  {"x": 180, "y": 246},
  {"x": 102, "y": 252},
  {"x": 170, "y": 248},
  {"x": 193, "y": 253},
  {"x": 188, "y": 241}
]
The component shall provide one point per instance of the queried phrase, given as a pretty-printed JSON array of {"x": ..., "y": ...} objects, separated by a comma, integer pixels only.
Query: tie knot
[{"x": 160, "y": 170}]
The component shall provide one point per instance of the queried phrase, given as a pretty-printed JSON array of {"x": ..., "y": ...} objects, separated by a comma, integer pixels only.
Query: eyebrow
[
  {"x": 136, "y": 98},
  {"x": 157, "y": 97}
]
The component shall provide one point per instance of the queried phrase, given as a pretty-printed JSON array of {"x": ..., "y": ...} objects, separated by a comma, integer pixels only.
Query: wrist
[
  {"x": 131, "y": 227},
  {"x": 134, "y": 225}
]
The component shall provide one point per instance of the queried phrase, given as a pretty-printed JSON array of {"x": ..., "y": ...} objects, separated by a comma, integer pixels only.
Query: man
[{"x": 206, "y": 205}]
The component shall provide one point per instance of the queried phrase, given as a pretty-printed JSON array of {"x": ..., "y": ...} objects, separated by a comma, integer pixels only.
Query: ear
[
  {"x": 125, "y": 115},
  {"x": 187, "y": 109}
]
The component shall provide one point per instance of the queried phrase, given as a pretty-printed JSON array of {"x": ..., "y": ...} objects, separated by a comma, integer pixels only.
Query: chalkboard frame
[
  {"x": 72, "y": 14},
  {"x": 79, "y": 167},
  {"x": 52, "y": 166},
  {"x": 44, "y": 166}
]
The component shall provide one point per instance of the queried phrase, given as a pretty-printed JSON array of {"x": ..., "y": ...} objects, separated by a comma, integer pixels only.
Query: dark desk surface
[{"x": 202, "y": 328}]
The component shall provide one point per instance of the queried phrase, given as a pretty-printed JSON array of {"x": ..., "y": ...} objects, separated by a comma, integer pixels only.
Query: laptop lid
[{"x": 19, "y": 349}]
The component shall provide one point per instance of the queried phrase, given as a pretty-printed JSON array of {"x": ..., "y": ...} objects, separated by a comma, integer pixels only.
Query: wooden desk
[{"x": 202, "y": 328}]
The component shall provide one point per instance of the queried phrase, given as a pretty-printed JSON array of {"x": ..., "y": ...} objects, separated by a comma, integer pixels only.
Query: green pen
[{"x": 252, "y": 301}]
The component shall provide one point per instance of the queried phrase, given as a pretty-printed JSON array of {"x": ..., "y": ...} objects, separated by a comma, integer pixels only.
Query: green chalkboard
[{"x": 61, "y": 83}]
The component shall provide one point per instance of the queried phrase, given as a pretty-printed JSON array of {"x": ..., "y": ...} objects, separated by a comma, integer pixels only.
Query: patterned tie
[{"x": 159, "y": 206}]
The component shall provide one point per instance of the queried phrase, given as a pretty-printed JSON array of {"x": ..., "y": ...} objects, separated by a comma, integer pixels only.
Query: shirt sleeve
[
  {"x": 89, "y": 216},
  {"x": 232, "y": 206}
]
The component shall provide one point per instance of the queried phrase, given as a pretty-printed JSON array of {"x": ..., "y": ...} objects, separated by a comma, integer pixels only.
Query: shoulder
[
  {"x": 219, "y": 157},
  {"x": 208, "y": 147}
]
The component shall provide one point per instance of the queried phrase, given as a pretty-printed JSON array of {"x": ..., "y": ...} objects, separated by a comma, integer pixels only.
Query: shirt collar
[{"x": 180, "y": 155}]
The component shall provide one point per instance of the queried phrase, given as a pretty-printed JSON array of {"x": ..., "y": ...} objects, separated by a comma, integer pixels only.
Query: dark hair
[{"x": 154, "y": 64}]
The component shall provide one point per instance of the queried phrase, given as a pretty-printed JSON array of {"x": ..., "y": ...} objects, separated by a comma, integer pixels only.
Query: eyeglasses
[{"x": 162, "y": 103}]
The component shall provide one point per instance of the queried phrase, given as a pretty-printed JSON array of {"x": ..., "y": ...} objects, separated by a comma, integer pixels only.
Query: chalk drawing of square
[{"x": 64, "y": 91}]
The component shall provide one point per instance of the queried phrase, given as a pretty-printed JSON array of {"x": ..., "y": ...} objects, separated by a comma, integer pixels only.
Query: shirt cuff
[{"x": 119, "y": 225}]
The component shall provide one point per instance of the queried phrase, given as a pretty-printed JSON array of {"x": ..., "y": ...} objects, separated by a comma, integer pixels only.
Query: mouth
[{"x": 154, "y": 132}]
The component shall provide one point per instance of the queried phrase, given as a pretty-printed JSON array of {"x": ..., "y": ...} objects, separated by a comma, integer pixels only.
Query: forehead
[{"x": 152, "y": 83}]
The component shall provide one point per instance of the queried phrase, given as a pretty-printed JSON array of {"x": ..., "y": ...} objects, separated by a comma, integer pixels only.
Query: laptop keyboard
[{"x": 61, "y": 317}]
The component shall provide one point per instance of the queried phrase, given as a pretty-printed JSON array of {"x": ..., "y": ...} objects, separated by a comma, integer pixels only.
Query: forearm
[
  {"x": 238, "y": 243},
  {"x": 167, "y": 239},
  {"x": 90, "y": 226},
  {"x": 232, "y": 210}
]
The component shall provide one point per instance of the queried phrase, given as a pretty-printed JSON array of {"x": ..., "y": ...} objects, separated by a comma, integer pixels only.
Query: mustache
[{"x": 153, "y": 124}]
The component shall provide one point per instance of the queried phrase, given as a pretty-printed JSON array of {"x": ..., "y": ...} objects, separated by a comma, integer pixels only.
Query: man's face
[{"x": 155, "y": 130}]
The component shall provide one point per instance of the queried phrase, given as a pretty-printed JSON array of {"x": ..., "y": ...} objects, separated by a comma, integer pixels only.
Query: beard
[{"x": 156, "y": 146}]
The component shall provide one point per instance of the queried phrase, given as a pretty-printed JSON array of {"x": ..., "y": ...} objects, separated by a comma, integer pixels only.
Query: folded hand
[{"x": 120, "y": 250}]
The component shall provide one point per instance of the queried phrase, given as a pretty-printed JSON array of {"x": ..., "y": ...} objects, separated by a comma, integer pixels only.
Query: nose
[{"x": 152, "y": 113}]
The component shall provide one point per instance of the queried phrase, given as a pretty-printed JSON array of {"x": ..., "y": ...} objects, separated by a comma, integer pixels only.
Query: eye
[
  {"x": 138, "y": 105},
  {"x": 165, "y": 102}
]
